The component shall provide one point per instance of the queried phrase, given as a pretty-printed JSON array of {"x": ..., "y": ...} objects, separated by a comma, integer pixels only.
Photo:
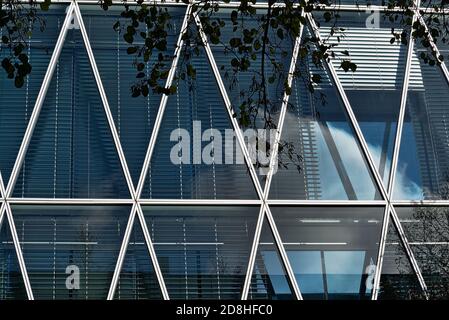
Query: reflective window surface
[
  {"x": 398, "y": 280},
  {"x": 269, "y": 279},
  {"x": 377, "y": 83},
  {"x": 11, "y": 284},
  {"x": 333, "y": 251},
  {"x": 72, "y": 152},
  {"x": 427, "y": 229},
  {"x": 89, "y": 213},
  {"x": 331, "y": 165},
  {"x": 203, "y": 251},
  {"x": 422, "y": 171},
  {"x": 82, "y": 241}
]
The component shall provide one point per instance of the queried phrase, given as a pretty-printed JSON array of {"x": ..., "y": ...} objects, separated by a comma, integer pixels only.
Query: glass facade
[{"x": 100, "y": 199}]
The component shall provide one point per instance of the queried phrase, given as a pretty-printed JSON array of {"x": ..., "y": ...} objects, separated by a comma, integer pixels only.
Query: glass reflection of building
[{"x": 70, "y": 199}]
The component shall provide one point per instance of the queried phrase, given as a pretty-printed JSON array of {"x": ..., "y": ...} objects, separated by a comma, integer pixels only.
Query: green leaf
[
  {"x": 128, "y": 37},
  {"x": 347, "y": 65},
  {"x": 327, "y": 16},
  {"x": 235, "y": 42},
  {"x": 280, "y": 34},
  {"x": 191, "y": 72},
  {"x": 116, "y": 26},
  {"x": 131, "y": 50},
  {"x": 45, "y": 5},
  {"x": 19, "y": 81},
  {"x": 316, "y": 78}
]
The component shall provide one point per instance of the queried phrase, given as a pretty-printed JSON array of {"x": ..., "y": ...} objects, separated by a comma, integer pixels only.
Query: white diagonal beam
[
  {"x": 104, "y": 101},
  {"x": 39, "y": 102},
  {"x": 255, "y": 179},
  {"x": 125, "y": 169},
  {"x": 163, "y": 104},
  {"x": 367, "y": 154}
]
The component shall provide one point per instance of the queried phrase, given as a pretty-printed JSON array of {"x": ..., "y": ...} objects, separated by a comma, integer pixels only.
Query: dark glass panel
[
  {"x": 423, "y": 171},
  {"x": 332, "y": 250},
  {"x": 269, "y": 279},
  {"x": 137, "y": 278},
  {"x": 133, "y": 116},
  {"x": 72, "y": 153},
  {"x": 11, "y": 281},
  {"x": 190, "y": 161},
  {"x": 427, "y": 230},
  {"x": 70, "y": 251},
  {"x": 398, "y": 281},
  {"x": 16, "y": 104},
  {"x": 203, "y": 251}
]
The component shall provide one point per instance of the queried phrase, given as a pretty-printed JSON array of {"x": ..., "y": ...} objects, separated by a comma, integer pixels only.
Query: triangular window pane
[
  {"x": 203, "y": 251},
  {"x": 269, "y": 279},
  {"x": 72, "y": 153},
  {"x": 190, "y": 161},
  {"x": 427, "y": 229},
  {"x": 244, "y": 87},
  {"x": 11, "y": 281},
  {"x": 423, "y": 170},
  {"x": 332, "y": 250},
  {"x": 320, "y": 156},
  {"x": 70, "y": 251},
  {"x": 398, "y": 280},
  {"x": 133, "y": 116},
  {"x": 16, "y": 104},
  {"x": 137, "y": 278},
  {"x": 377, "y": 83}
]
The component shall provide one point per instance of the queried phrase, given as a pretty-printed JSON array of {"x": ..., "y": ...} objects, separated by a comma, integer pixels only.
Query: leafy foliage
[{"x": 259, "y": 48}]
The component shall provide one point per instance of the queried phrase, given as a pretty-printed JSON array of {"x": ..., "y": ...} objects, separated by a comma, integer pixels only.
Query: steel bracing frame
[{"x": 136, "y": 201}]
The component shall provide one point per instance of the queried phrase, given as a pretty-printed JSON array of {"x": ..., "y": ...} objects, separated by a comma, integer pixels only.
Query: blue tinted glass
[
  {"x": 311, "y": 277},
  {"x": 16, "y": 104},
  {"x": 332, "y": 251},
  {"x": 133, "y": 116},
  {"x": 269, "y": 279},
  {"x": 344, "y": 272},
  {"x": 327, "y": 162},
  {"x": 377, "y": 82},
  {"x": 190, "y": 161},
  {"x": 78, "y": 241},
  {"x": 398, "y": 280},
  {"x": 72, "y": 153},
  {"x": 427, "y": 230},
  {"x": 203, "y": 251},
  {"x": 137, "y": 278},
  {"x": 11, "y": 281},
  {"x": 244, "y": 87},
  {"x": 423, "y": 171}
]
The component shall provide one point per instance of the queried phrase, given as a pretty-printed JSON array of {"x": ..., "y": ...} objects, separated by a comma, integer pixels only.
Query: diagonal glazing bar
[
  {"x": 163, "y": 104},
  {"x": 152, "y": 252},
  {"x": 39, "y": 101},
  {"x": 433, "y": 45},
  {"x": 348, "y": 109},
  {"x": 285, "y": 99},
  {"x": 122, "y": 253},
  {"x": 127, "y": 174},
  {"x": 228, "y": 105},
  {"x": 104, "y": 100},
  {"x": 273, "y": 162},
  {"x": 15, "y": 239},
  {"x": 252, "y": 257},
  {"x": 240, "y": 139},
  {"x": 390, "y": 211},
  {"x": 2, "y": 188},
  {"x": 366, "y": 152},
  {"x": 136, "y": 208}
]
